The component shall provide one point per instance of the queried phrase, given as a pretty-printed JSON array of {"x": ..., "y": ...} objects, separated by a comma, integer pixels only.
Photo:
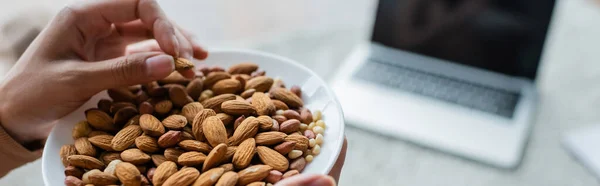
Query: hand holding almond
[{"x": 82, "y": 52}]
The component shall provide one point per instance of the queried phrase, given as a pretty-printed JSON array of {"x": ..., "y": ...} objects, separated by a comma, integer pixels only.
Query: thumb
[
  {"x": 307, "y": 180},
  {"x": 131, "y": 69}
]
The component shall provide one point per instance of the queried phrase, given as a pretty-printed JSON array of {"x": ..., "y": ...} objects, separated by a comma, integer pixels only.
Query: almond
[
  {"x": 290, "y": 126},
  {"x": 296, "y": 90},
  {"x": 244, "y": 153},
  {"x": 135, "y": 156},
  {"x": 230, "y": 152},
  {"x": 272, "y": 158},
  {"x": 104, "y": 105},
  {"x": 142, "y": 168},
  {"x": 206, "y": 94},
  {"x": 227, "y": 167},
  {"x": 147, "y": 144},
  {"x": 135, "y": 120},
  {"x": 73, "y": 171},
  {"x": 174, "y": 78},
  {"x": 121, "y": 94},
  {"x": 229, "y": 178},
  {"x": 150, "y": 173},
  {"x": 65, "y": 152},
  {"x": 298, "y": 164},
  {"x": 280, "y": 105},
  {"x": 183, "y": 64},
  {"x": 116, "y": 106},
  {"x": 193, "y": 145},
  {"x": 187, "y": 136},
  {"x": 273, "y": 177},
  {"x": 179, "y": 96},
  {"x": 163, "y": 107},
  {"x": 155, "y": 90},
  {"x": 243, "y": 68},
  {"x": 226, "y": 86},
  {"x": 247, "y": 129},
  {"x": 257, "y": 183},
  {"x": 253, "y": 173},
  {"x": 289, "y": 98},
  {"x": 191, "y": 159},
  {"x": 123, "y": 115},
  {"x": 236, "y": 107},
  {"x": 194, "y": 88},
  {"x": 126, "y": 137},
  {"x": 110, "y": 168},
  {"x": 175, "y": 122},
  {"x": 215, "y": 157},
  {"x": 198, "y": 120},
  {"x": 214, "y": 77},
  {"x": 151, "y": 125},
  {"x": 238, "y": 121},
  {"x": 262, "y": 103},
  {"x": 275, "y": 126},
  {"x": 100, "y": 120},
  {"x": 128, "y": 174},
  {"x": 265, "y": 123},
  {"x": 306, "y": 116},
  {"x": 285, "y": 147},
  {"x": 215, "y": 102},
  {"x": 260, "y": 84},
  {"x": 158, "y": 159},
  {"x": 96, "y": 133},
  {"x": 241, "y": 79},
  {"x": 301, "y": 141},
  {"x": 279, "y": 118},
  {"x": 214, "y": 131},
  {"x": 172, "y": 154},
  {"x": 74, "y": 181},
  {"x": 248, "y": 93},
  {"x": 102, "y": 141},
  {"x": 101, "y": 178},
  {"x": 85, "y": 162},
  {"x": 292, "y": 114},
  {"x": 108, "y": 157},
  {"x": 270, "y": 138},
  {"x": 258, "y": 73},
  {"x": 190, "y": 110},
  {"x": 169, "y": 139},
  {"x": 290, "y": 173},
  {"x": 185, "y": 176},
  {"x": 225, "y": 118},
  {"x": 86, "y": 176},
  {"x": 163, "y": 172},
  {"x": 209, "y": 177},
  {"x": 81, "y": 129},
  {"x": 84, "y": 147}
]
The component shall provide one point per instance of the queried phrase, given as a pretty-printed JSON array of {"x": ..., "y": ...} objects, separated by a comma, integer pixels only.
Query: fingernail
[
  {"x": 175, "y": 45},
  {"x": 159, "y": 66},
  {"x": 323, "y": 181}
]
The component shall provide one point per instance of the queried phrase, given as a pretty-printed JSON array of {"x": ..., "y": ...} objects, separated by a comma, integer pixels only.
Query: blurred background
[{"x": 321, "y": 34}]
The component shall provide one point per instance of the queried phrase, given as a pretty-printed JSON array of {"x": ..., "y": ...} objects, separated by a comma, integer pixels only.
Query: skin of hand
[{"x": 81, "y": 52}]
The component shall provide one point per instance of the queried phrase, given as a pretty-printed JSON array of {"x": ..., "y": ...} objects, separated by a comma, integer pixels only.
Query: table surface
[{"x": 567, "y": 100}]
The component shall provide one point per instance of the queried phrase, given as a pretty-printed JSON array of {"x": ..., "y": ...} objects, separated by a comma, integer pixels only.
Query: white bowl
[{"x": 315, "y": 93}]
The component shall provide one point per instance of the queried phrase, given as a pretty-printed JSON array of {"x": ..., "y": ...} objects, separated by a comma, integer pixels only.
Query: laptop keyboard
[{"x": 452, "y": 90}]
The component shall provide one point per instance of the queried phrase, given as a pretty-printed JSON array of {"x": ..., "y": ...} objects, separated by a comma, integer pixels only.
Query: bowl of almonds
[{"x": 247, "y": 118}]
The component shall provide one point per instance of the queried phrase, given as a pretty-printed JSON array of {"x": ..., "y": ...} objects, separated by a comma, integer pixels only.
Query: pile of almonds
[{"x": 234, "y": 127}]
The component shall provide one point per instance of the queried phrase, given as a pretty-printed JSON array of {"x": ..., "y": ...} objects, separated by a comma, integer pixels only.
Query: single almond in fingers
[
  {"x": 185, "y": 176},
  {"x": 210, "y": 177},
  {"x": 253, "y": 173},
  {"x": 214, "y": 131},
  {"x": 175, "y": 122},
  {"x": 215, "y": 157},
  {"x": 85, "y": 162},
  {"x": 147, "y": 144},
  {"x": 183, "y": 64},
  {"x": 190, "y": 110},
  {"x": 244, "y": 153},
  {"x": 263, "y": 104},
  {"x": 163, "y": 172},
  {"x": 126, "y": 137},
  {"x": 236, "y": 107},
  {"x": 151, "y": 125},
  {"x": 128, "y": 174},
  {"x": 247, "y": 129},
  {"x": 191, "y": 159},
  {"x": 193, "y": 145},
  {"x": 270, "y": 138},
  {"x": 84, "y": 147},
  {"x": 102, "y": 141},
  {"x": 272, "y": 158},
  {"x": 229, "y": 178},
  {"x": 197, "y": 124}
]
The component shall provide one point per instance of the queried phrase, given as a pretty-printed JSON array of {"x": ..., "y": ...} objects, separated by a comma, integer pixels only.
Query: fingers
[
  {"x": 129, "y": 70},
  {"x": 339, "y": 163},
  {"x": 307, "y": 180}
]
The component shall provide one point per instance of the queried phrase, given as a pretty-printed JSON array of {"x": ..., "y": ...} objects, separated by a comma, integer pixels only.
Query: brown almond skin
[
  {"x": 265, "y": 123},
  {"x": 102, "y": 141},
  {"x": 126, "y": 137},
  {"x": 104, "y": 105},
  {"x": 123, "y": 115},
  {"x": 209, "y": 178},
  {"x": 183, "y": 64},
  {"x": 135, "y": 156},
  {"x": 214, "y": 131},
  {"x": 185, "y": 176},
  {"x": 247, "y": 129},
  {"x": 238, "y": 121},
  {"x": 216, "y": 156},
  {"x": 214, "y": 77},
  {"x": 285, "y": 147},
  {"x": 65, "y": 152},
  {"x": 121, "y": 94},
  {"x": 191, "y": 159},
  {"x": 280, "y": 119},
  {"x": 85, "y": 162},
  {"x": 84, "y": 147},
  {"x": 229, "y": 178},
  {"x": 270, "y": 138},
  {"x": 237, "y": 107},
  {"x": 260, "y": 84},
  {"x": 116, "y": 106},
  {"x": 102, "y": 178},
  {"x": 280, "y": 105},
  {"x": 291, "y": 114},
  {"x": 298, "y": 164},
  {"x": 172, "y": 154},
  {"x": 306, "y": 116},
  {"x": 128, "y": 174},
  {"x": 289, "y": 98},
  {"x": 194, "y": 88},
  {"x": 248, "y": 93},
  {"x": 263, "y": 104},
  {"x": 158, "y": 159},
  {"x": 73, "y": 181},
  {"x": 100, "y": 120},
  {"x": 81, "y": 129},
  {"x": 296, "y": 90},
  {"x": 190, "y": 110},
  {"x": 225, "y": 118},
  {"x": 197, "y": 123},
  {"x": 175, "y": 122},
  {"x": 193, "y": 145},
  {"x": 146, "y": 108},
  {"x": 151, "y": 125},
  {"x": 216, "y": 101},
  {"x": 301, "y": 141},
  {"x": 230, "y": 152},
  {"x": 169, "y": 139},
  {"x": 107, "y": 157},
  {"x": 147, "y": 144},
  {"x": 226, "y": 86},
  {"x": 174, "y": 78},
  {"x": 253, "y": 173},
  {"x": 290, "y": 173},
  {"x": 244, "y": 153},
  {"x": 73, "y": 171},
  {"x": 243, "y": 68},
  {"x": 290, "y": 126},
  {"x": 150, "y": 173},
  {"x": 163, "y": 172},
  {"x": 272, "y": 158},
  {"x": 274, "y": 176},
  {"x": 227, "y": 167},
  {"x": 257, "y": 183},
  {"x": 179, "y": 96},
  {"x": 163, "y": 107}
]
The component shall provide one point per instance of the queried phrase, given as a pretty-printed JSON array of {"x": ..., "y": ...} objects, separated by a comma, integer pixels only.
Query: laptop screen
[{"x": 505, "y": 36}]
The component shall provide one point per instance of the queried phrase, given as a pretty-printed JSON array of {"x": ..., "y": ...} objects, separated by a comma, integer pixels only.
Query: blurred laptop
[{"x": 454, "y": 75}]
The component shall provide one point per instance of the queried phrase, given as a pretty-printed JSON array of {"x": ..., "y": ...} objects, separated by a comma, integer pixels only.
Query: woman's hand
[{"x": 82, "y": 52}]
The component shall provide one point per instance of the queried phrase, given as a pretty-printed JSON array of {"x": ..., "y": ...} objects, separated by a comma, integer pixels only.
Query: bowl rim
[{"x": 338, "y": 143}]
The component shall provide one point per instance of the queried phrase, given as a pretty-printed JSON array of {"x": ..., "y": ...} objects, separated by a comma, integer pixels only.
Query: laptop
[{"x": 453, "y": 75}]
